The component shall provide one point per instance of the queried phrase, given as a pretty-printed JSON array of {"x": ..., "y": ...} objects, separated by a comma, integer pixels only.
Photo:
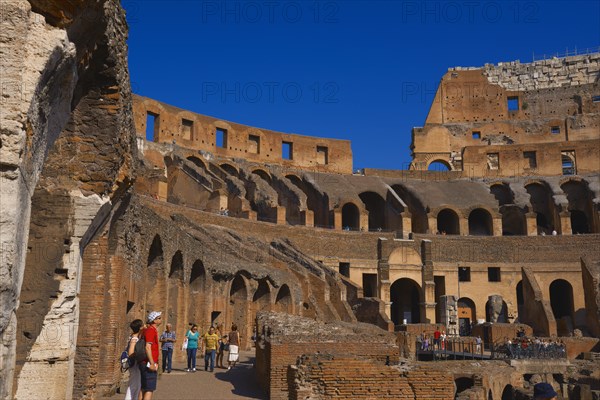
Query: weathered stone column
[
  {"x": 565, "y": 223},
  {"x": 531, "y": 221}
]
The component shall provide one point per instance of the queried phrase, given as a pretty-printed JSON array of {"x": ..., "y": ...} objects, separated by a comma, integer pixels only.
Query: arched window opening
[
  {"x": 508, "y": 393},
  {"x": 350, "y": 217},
  {"x": 375, "y": 205},
  {"x": 405, "y": 295},
  {"x": 230, "y": 169},
  {"x": 439, "y": 165},
  {"x": 197, "y": 162},
  {"x": 581, "y": 206},
  {"x": 447, "y": 222},
  {"x": 568, "y": 164},
  {"x": 463, "y": 384},
  {"x": 542, "y": 203},
  {"x": 579, "y": 222},
  {"x": 480, "y": 223},
  {"x": 155, "y": 255},
  {"x": 466, "y": 315},
  {"x": 197, "y": 277},
  {"x": 262, "y": 174},
  {"x": 561, "y": 298},
  {"x": 176, "y": 271}
]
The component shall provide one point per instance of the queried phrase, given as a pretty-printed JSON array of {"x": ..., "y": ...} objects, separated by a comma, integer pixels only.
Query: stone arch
[
  {"x": 375, "y": 205},
  {"x": 198, "y": 292},
  {"x": 439, "y": 165},
  {"x": 581, "y": 206},
  {"x": 174, "y": 289},
  {"x": 503, "y": 194},
  {"x": 198, "y": 162},
  {"x": 405, "y": 295},
  {"x": 513, "y": 221},
  {"x": 568, "y": 165},
  {"x": 155, "y": 276},
  {"x": 238, "y": 304},
  {"x": 283, "y": 301},
  {"x": 448, "y": 222},
  {"x": 350, "y": 216},
  {"x": 316, "y": 201},
  {"x": 263, "y": 174},
  {"x": 480, "y": 222},
  {"x": 542, "y": 204},
  {"x": 262, "y": 296},
  {"x": 230, "y": 169},
  {"x": 561, "y": 301},
  {"x": 467, "y": 314},
  {"x": 419, "y": 220}
]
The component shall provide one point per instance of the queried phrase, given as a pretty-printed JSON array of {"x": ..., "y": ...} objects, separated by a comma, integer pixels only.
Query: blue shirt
[
  {"x": 193, "y": 339},
  {"x": 167, "y": 335}
]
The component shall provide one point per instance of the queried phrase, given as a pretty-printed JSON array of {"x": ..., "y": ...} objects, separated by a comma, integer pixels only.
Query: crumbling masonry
[{"x": 273, "y": 231}]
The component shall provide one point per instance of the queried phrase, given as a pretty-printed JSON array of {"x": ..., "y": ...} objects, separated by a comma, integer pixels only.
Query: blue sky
[{"x": 357, "y": 70}]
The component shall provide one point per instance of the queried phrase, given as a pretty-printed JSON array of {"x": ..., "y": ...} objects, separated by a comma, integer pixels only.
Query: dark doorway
[{"x": 405, "y": 296}]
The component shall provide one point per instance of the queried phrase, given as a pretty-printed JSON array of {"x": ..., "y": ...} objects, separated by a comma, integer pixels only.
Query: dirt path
[{"x": 239, "y": 383}]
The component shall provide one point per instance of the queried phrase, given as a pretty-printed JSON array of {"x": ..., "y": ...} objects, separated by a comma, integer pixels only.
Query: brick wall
[{"x": 342, "y": 377}]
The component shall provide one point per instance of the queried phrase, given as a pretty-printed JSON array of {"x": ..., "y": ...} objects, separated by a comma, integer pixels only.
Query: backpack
[
  {"x": 125, "y": 361},
  {"x": 139, "y": 351}
]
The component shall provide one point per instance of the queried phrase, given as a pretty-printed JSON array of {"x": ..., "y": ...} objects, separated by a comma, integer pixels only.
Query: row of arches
[
  {"x": 199, "y": 298},
  {"x": 407, "y": 297}
]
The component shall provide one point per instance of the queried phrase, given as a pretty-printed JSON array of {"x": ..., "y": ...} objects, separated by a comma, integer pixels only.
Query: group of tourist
[
  {"x": 437, "y": 341},
  {"x": 524, "y": 347},
  {"x": 143, "y": 374}
]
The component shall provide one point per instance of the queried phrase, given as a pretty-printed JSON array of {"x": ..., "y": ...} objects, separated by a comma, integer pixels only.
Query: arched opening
[
  {"x": 419, "y": 220},
  {"x": 463, "y": 384},
  {"x": 520, "y": 299},
  {"x": 508, "y": 393},
  {"x": 581, "y": 206},
  {"x": 480, "y": 223},
  {"x": 262, "y": 296},
  {"x": 197, "y": 162},
  {"x": 502, "y": 193},
  {"x": 561, "y": 301},
  {"x": 238, "y": 299},
  {"x": 196, "y": 306},
  {"x": 513, "y": 221},
  {"x": 375, "y": 205},
  {"x": 405, "y": 295},
  {"x": 568, "y": 165},
  {"x": 175, "y": 286},
  {"x": 316, "y": 201},
  {"x": 542, "y": 203},
  {"x": 439, "y": 165},
  {"x": 155, "y": 281},
  {"x": 447, "y": 222},
  {"x": 230, "y": 169},
  {"x": 283, "y": 301},
  {"x": 579, "y": 222},
  {"x": 466, "y": 315},
  {"x": 350, "y": 217},
  {"x": 262, "y": 174},
  {"x": 497, "y": 313}
]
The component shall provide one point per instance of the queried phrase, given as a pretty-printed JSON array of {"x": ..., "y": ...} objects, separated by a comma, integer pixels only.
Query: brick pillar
[
  {"x": 428, "y": 284},
  {"x": 565, "y": 223},
  {"x": 432, "y": 224},
  {"x": 464, "y": 226},
  {"x": 383, "y": 285},
  {"x": 280, "y": 210},
  {"x": 406, "y": 224},
  {"x": 531, "y": 222},
  {"x": 337, "y": 219},
  {"x": 308, "y": 217},
  {"x": 364, "y": 221},
  {"x": 497, "y": 226}
]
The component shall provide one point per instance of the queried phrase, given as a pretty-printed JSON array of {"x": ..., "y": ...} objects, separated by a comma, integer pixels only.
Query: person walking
[
  {"x": 223, "y": 346},
  {"x": 167, "y": 339},
  {"x": 192, "y": 347},
  {"x": 234, "y": 345},
  {"x": 149, "y": 367},
  {"x": 135, "y": 383},
  {"x": 209, "y": 344}
]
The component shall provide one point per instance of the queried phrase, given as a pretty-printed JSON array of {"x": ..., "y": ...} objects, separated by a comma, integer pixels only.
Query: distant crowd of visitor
[
  {"x": 141, "y": 355},
  {"x": 524, "y": 347}
]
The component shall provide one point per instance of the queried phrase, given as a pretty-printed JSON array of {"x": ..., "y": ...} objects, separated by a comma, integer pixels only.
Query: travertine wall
[
  {"x": 311, "y": 153},
  {"x": 553, "y": 105}
]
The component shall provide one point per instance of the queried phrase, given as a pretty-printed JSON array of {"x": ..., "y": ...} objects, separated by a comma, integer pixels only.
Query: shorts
[{"x": 148, "y": 379}]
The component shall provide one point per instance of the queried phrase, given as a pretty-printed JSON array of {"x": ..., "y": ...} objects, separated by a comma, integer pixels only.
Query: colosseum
[{"x": 115, "y": 204}]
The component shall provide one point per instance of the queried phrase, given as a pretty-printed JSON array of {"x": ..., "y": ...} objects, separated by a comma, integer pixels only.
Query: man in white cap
[{"x": 149, "y": 367}]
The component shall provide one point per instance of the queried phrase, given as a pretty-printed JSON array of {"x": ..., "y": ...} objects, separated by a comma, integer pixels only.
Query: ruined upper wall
[
  {"x": 199, "y": 132},
  {"x": 547, "y": 104}
]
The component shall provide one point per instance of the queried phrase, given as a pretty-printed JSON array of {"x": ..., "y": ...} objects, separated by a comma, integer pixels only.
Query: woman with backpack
[{"x": 135, "y": 380}]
